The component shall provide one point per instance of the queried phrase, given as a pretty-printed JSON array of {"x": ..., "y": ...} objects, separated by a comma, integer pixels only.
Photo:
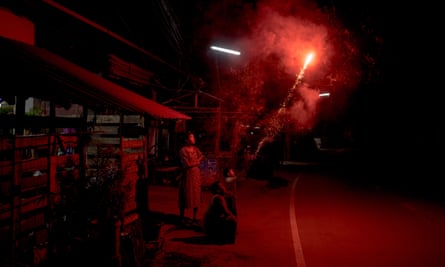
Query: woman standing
[{"x": 190, "y": 184}]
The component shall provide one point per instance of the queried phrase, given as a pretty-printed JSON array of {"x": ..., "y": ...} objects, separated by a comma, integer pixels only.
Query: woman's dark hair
[{"x": 185, "y": 137}]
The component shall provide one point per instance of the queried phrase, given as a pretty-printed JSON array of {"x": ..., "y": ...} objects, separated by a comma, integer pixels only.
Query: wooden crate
[
  {"x": 33, "y": 141},
  {"x": 34, "y": 181},
  {"x": 129, "y": 176},
  {"x": 65, "y": 160},
  {"x": 33, "y": 221},
  {"x": 128, "y": 221},
  {"x": 129, "y": 186},
  {"x": 26, "y": 205},
  {"x": 66, "y": 143},
  {"x": 132, "y": 143},
  {"x": 69, "y": 139},
  {"x": 130, "y": 158},
  {"x": 131, "y": 169},
  {"x": 32, "y": 165},
  {"x": 130, "y": 205},
  {"x": 33, "y": 203}
]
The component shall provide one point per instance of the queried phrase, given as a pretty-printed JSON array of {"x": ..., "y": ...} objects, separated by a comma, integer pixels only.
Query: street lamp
[
  {"x": 225, "y": 50},
  {"x": 219, "y": 121}
]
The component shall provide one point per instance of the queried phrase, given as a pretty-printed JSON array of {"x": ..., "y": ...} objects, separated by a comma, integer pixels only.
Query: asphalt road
[
  {"x": 312, "y": 218},
  {"x": 343, "y": 222}
]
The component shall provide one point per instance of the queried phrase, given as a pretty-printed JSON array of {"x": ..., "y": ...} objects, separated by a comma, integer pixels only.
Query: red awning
[{"x": 75, "y": 79}]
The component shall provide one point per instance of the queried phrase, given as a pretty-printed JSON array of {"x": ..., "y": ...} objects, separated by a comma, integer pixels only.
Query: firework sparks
[
  {"x": 301, "y": 74},
  {"x": 278, "y": 120},
  {"x": 308, "y": 60}
]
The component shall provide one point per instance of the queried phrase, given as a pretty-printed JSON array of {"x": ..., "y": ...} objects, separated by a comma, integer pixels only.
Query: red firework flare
[{"x": 276, "y": 123}]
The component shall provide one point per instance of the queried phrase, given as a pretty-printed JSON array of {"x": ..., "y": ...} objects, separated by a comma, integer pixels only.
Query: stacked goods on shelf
[
  {"x": 115, "y": 156},
  {"x": 34, "y": 172},
  {"x": 132, "y": 154},
  {"x": 65, "y": 165},
  {"x": 24, "y": 207}
]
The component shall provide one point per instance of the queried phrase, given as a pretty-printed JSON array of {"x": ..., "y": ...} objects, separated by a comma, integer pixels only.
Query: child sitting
[{"x": 219, "y": 222}]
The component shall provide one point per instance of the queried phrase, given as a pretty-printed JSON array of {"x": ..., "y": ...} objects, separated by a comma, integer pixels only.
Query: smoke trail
[{"x": 276, "y": 123}]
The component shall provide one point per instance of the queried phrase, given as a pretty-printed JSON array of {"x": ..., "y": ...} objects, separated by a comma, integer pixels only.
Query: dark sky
[
  {"x": 380, "y": 60},
  {"x": 384, "y": 49}
]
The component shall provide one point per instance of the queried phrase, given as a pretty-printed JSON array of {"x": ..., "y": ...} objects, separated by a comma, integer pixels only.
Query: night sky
[{"x": 378, "y": 60}]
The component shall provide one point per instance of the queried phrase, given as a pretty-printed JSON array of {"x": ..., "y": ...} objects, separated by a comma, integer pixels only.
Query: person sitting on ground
[
  {"x": 219, "y": 223},
  {"x": 229, "y": 181}
]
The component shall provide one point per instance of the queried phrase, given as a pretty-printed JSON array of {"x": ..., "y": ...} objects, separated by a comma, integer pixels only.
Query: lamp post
[
  {"x": 225, "y": 51},
  {"x": 220, "y": 49}
]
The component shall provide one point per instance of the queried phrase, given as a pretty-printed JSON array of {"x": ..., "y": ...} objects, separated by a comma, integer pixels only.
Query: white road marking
[{"x": 299, "y": 257}]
